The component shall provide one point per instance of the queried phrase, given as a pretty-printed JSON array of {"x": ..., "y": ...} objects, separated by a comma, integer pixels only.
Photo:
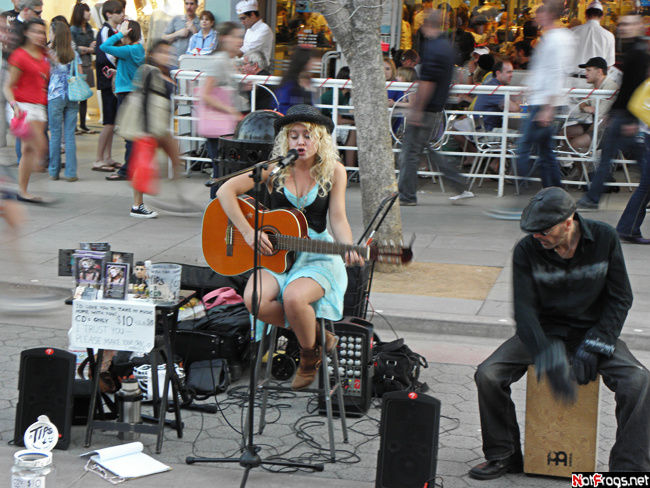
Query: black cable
[
  {"x": 196, "y": 439},
  {"x": 451, "y": 429}
]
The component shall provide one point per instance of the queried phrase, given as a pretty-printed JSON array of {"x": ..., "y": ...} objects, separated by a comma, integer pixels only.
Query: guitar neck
[{"x": 291, "y": 243}]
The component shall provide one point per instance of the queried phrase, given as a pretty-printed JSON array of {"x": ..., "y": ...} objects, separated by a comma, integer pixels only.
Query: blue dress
[{"x": 328, "y": 270}]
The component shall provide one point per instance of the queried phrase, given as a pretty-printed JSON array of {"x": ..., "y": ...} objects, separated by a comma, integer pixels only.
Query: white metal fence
[{"x": 493, "y": 146}]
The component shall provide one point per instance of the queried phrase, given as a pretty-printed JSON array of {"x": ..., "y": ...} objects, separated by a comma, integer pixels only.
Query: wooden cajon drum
[{"x": 560, "y": 438}]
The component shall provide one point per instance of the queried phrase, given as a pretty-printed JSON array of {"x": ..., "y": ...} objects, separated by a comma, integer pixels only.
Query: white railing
[{"x": 188, "y": 80}]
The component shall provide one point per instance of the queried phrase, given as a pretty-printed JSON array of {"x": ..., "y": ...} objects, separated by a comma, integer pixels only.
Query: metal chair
[
  {"x": 275, "y": 99},
  {"x": 585, "y": 156},
  {"x": 328, "y": 366},
  {"x": 488, "y": 147}
]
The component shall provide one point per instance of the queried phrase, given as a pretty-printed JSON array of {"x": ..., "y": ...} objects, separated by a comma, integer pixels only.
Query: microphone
[
  {"x": 280, "y": 162},
  {"x": 288, "y": 160}
]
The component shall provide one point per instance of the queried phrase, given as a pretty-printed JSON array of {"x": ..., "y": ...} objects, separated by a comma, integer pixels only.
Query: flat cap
[{"x": 549, "y": 207}]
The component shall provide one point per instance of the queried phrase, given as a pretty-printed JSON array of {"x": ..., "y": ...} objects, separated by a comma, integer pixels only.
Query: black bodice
[{"x": 316, "y": 212}]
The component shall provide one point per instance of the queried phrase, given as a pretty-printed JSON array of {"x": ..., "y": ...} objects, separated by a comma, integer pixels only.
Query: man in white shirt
[
  {"x": 259, "y": 36},
  {"x": 593, "y": 40},
  {"x": 549, "y": 68}
]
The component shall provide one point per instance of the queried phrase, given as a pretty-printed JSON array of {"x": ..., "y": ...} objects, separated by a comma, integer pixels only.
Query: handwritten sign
[{"x": 108, "y": 324}]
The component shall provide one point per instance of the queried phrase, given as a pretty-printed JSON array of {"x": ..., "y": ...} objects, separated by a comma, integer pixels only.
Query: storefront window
[{"x": 297, "y": 23}]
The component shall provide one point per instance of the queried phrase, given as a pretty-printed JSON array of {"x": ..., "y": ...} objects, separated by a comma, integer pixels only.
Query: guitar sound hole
[{"x": 271, "y": 234}]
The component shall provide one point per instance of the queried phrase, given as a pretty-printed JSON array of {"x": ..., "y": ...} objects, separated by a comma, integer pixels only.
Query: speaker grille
[
  {"x": 45, "y": 384},
  {"x": 409, "y": 441}
]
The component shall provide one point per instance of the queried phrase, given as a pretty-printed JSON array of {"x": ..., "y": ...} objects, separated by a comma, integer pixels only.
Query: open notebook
[{"x": 127, "y": 460}]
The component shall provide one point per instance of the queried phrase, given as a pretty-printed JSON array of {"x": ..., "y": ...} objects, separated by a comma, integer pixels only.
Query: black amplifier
[{"x": 355, "y": 367}]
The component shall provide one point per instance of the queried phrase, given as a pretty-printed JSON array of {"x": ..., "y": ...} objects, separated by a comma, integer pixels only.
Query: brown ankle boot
[
  {"x": 310, "y": 360},
  {"x": 331, "y": 339}
]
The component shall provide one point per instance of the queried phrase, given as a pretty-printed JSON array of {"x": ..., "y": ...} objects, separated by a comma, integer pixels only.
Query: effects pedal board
[{"x": 354, "y": 351}]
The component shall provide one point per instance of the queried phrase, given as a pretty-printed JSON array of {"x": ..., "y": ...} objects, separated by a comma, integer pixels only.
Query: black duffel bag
[
  {"x": 223, "y": 333},
  {"x": 396, "y": 368}
]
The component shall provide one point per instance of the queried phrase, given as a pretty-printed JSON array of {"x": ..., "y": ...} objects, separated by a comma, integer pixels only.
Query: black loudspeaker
[
  {"x": 408, "y": 453},
  {"x": 234, "y": 155},
  {"x": 45, "y": 388}
]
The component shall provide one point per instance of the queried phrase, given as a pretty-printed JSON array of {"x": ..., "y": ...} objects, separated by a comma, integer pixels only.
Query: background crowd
[{"x": 488, "y": 48}]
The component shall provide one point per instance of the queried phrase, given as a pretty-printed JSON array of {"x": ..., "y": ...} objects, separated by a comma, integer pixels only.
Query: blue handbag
[{"x": 78, "y": 89}]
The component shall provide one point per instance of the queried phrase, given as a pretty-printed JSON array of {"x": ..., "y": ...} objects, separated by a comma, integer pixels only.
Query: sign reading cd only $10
[{"x": 107, "y": 324}]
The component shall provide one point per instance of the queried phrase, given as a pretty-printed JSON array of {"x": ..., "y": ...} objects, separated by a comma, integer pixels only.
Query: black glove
[
  {"x": 553, "y": 363},
  {"x": 585, "y": 365}
]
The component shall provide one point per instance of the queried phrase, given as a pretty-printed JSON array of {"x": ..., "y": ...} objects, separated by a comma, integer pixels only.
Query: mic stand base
[{"x": 249, "y": 459}]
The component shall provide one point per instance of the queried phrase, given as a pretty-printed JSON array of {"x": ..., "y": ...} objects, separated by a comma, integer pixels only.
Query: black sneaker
[{"x": 143, "y": 212}]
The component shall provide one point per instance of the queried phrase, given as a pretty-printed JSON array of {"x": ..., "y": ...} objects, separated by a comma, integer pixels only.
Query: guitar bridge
[{"x": 230, "y": 234}]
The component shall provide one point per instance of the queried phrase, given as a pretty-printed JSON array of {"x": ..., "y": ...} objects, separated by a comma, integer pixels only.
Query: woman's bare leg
[
  {"x": 270, "y": 309},
  {"x": 298, "y": 297},
  {"x": 33, "y": 152}
]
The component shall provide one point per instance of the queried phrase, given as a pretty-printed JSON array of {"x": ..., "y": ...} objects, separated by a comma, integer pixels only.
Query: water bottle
[{"x": 129, "y": 399}]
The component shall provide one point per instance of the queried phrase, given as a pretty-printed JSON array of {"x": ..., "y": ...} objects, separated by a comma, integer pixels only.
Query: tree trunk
[{"x": 355, "y": 25}]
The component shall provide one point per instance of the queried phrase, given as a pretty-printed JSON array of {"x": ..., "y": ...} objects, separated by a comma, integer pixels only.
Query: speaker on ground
[
  {"x": 408, "y": 452},
  {"x": 45, "y": 388}
]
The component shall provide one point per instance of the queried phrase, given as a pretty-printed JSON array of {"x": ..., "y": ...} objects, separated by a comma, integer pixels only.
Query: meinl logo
[{"x": 559, "y": 458}]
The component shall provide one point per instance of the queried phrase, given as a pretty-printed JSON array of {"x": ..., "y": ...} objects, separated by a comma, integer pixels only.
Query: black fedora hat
[{"x": 304, "y": 113}]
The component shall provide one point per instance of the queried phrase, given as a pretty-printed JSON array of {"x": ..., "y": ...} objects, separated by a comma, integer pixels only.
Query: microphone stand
[
  {"x": 250, "y": 458},
  {"x": 281, "y": 160}
]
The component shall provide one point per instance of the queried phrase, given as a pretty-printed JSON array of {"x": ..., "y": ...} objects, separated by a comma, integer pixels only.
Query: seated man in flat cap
[{"x": 571, "y": 297}]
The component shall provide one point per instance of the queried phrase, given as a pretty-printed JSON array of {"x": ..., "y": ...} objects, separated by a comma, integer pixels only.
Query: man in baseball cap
[
  {"x": 259, "y": 36},
  {"x": 596, "y": 62},
  {"x": 571, "y": 297}
]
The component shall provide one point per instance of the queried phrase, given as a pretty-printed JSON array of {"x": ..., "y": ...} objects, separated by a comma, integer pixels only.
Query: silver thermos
[{"x": 129, "y": 399}]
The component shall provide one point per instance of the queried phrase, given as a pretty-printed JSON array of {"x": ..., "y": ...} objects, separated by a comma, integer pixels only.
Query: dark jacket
[
  {"x": 635, "y": 71},
  {"x": 291, "y": 93},
  {"x": 102, "y": 59},
  {"x": 585, "y": 298}
]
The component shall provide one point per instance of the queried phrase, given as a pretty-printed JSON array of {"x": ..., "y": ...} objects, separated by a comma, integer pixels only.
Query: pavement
[{"x": 453, "y": 334}]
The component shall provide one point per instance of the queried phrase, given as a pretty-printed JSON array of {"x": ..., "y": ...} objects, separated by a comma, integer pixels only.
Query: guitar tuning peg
[{"x": 412, "y": 241}]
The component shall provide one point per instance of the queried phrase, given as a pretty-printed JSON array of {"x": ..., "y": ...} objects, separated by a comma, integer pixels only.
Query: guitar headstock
[{"x": 390, "y": 252}]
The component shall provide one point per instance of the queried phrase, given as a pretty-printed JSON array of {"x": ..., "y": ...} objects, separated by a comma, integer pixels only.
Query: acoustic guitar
[{"x": 227, "y": 252}]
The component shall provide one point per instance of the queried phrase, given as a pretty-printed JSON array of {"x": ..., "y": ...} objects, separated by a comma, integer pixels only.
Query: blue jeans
[
  {"x": 534, "y": 134},
  {"x": 613, "y": 142},
  {"x": 630, "y": 222},
  {"x": 123, "y": 171},
  {"x": 61, "y": 112},
  {"x": 416, "y": 137}
]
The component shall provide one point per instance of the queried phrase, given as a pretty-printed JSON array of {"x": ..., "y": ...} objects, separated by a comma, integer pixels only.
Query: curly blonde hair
[{"x": 326, "y": 156}]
